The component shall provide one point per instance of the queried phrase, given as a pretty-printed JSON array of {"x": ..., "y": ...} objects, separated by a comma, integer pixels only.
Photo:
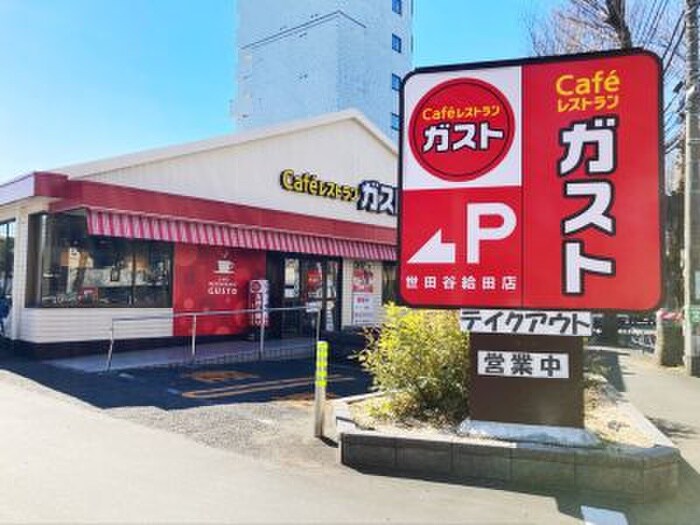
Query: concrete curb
[{"x": 630, "y": 473}]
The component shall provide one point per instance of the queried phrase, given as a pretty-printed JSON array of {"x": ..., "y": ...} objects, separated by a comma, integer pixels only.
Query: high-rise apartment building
[{"x": 299, "y": 58}]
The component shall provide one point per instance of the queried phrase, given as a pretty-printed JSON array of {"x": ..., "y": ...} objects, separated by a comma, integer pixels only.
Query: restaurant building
[{"x": 309, "y": 206}]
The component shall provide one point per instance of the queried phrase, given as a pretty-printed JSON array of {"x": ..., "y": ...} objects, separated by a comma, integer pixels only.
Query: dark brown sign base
[{"x": 524, "y": 398}]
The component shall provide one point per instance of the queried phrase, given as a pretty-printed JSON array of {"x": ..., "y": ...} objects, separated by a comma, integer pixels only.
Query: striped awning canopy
[{"x": 119, "y": 224}]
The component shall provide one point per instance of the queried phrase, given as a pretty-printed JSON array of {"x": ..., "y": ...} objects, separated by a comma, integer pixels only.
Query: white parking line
[{"x": 596, "y": 516}]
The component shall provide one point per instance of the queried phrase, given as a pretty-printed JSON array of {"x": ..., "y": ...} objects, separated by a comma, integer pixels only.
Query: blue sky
[{"x": 86, "y": 79}]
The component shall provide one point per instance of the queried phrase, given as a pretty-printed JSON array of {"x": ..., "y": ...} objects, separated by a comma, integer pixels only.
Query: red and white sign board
[
  {"x": 258, "y": 299},
  {"x": 533, "y": 184}
]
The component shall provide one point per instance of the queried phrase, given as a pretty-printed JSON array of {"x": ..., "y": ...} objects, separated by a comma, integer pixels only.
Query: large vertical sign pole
[{"x": 529, "y": 186}]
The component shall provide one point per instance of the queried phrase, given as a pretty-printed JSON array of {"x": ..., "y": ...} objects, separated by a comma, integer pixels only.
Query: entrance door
[
  {"x": 291, "y": 297},
  {"x": 312, "y": 285},
  {"x": 308, "y": 281},
  {"x": 331, "y": 313}
]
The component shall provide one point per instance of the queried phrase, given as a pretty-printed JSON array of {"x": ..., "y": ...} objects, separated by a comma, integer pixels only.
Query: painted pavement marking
[
  {"x": 218, "y": 376},
  {"x": 264, "y": 386}
]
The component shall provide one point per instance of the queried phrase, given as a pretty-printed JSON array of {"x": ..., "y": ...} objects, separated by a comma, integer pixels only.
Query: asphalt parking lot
[
  {"x": 260, "y": 409},
  {"x": 255, "y": 382}
]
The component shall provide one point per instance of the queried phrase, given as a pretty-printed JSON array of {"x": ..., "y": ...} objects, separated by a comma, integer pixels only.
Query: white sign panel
[
  {"x": 526, "y": 322},
  {"x": 523, "y": 364},
  {"x": 364, "y": 309}
]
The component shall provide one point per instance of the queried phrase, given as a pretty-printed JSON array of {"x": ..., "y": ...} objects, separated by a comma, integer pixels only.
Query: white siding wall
[
  {"x": 248, "y": 172},
  {"x": 20, "y": 212},
  {"x": 346, "y": 314},
  {"x": 50, "y": 325},
  {"x": 19, "y": 271}
]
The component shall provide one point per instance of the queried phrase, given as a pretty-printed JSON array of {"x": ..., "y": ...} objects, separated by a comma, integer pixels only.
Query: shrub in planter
[{"x": 420, "y": 358}]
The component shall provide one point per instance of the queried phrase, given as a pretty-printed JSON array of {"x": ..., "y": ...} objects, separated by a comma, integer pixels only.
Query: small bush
[{"x": 420, "y": 358}]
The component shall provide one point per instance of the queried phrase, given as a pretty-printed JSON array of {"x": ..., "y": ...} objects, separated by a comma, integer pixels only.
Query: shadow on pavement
[
  {"x": 607, "y": 364},
  {"x": 674, "y": 430},
  {"x": 99, "y": 390},
  {"x": 183, "y": 387}
]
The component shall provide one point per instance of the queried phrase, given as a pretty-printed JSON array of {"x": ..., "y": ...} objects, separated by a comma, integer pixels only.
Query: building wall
[
  {"x": 19, "y": 211},
  {"x": 307, "y": 57},
  {"x": 245, "y": 170},
  {"x": 48, "y": 325},
  {"x": 248, "y": 172},
  {"x": 303, "y": 88}
]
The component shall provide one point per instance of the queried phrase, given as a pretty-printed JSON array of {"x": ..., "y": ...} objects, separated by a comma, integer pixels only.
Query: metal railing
[
  {"x": 263, "y": 312},
  {"x": 644, "y": 338}
]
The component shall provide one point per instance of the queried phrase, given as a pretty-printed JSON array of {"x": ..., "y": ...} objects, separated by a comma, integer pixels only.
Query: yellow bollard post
[{"x": 320, "y": 386}]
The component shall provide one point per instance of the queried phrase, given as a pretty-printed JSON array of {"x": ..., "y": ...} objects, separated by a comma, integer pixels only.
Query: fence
[
  {"x": 264, "y": 316},
  {"x": 639, "y": 337}
]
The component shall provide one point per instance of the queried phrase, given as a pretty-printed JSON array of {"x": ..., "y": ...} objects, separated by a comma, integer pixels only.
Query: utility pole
[{"x": 691, "y": 218}]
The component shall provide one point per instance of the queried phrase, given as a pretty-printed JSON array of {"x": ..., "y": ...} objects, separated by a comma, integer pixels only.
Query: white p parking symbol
[{"x": 476, "y": 233}]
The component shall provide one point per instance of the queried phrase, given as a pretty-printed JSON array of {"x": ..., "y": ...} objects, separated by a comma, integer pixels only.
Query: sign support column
[{"x": 521, "y": 188}]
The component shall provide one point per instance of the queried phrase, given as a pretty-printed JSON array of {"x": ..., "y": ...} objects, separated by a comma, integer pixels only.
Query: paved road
[
  {"x": 142, "y": 448},
  {"x": 671, "y": 399},
  {"x": 65, "y": 460}
]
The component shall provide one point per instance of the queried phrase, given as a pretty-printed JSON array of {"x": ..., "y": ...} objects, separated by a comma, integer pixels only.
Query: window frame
[
  {"x": 42, "y": 238},
  {"x": 395, "y": 82},
  {"x": 395, "y": 121},
  {"x": 9, "y": 231},
  {"x": 396, "y": 42}
]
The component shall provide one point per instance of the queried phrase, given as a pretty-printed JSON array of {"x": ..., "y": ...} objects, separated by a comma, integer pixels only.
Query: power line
[
  {"x": 654, "y": 27},
  {"x": 675, "y": 48},
  {"x": 645, "y": 24},
  {"x": 673, "y": 36}
]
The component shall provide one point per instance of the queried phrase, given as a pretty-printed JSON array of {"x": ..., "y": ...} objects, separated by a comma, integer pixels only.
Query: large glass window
[
  {"x": 291, "y": 278},
  {"x": 389, "y": 284},
  {"x": 7, "y": 258},
  {"x": 78, "y": 270}
]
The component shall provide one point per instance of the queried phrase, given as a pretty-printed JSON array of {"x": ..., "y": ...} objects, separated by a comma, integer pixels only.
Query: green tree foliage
[{"x": 420, "y": 358}]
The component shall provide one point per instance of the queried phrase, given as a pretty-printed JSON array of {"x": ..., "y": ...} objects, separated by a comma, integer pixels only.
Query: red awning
[{"x": 118, "y": 224}]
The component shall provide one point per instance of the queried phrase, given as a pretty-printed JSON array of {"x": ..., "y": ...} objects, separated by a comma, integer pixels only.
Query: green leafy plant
[{"x": 420, "y": 359}]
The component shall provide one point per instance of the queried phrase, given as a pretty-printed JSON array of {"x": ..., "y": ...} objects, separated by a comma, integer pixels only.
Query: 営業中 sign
[
  {"x": 533, "y": 184},
  {"x": 523, "y": 364}
]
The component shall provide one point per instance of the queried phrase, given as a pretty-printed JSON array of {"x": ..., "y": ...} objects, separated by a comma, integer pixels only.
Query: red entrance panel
[
  {"x": 533, "y": 184},
  {"x": 211, "y": 279}
]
